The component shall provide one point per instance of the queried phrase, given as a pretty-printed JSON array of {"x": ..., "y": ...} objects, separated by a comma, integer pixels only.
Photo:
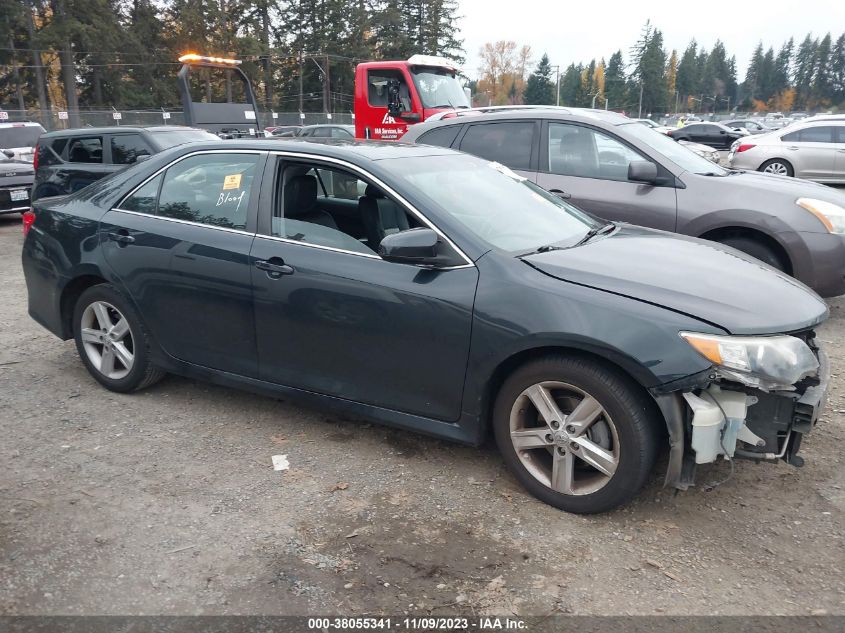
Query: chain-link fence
[{"x": 56, "y": 120}]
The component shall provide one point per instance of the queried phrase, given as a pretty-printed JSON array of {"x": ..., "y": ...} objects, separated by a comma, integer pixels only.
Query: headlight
[
  {"x": 830, "y": 214},
  {"x": 767, "y": 362}
]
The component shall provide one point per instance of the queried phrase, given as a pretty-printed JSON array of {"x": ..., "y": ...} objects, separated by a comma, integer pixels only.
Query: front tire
[
  {"x": 778, "y": 167},
  {"x": 111, "y": 340},
  {"x": 577, "y": 434}
]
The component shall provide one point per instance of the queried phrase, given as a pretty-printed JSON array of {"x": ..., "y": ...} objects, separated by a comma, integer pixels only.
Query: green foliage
[{"x": 540, "y": 87}]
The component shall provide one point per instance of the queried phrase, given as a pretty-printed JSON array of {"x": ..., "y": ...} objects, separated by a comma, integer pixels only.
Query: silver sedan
[{"x": 813, "y": 149}]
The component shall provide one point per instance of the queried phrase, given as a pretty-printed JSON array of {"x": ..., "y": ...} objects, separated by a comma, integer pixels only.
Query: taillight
[
  {"x": 28, "y": 218},
  {"x": 35, "y": 158},
  {"x": 744, "y": 146}
]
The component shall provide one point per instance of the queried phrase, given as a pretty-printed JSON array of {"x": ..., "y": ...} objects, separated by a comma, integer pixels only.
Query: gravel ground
[{"x": 165, "y": 502}]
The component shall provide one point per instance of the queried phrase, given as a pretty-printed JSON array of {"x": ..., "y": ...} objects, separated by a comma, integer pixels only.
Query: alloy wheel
[
  {"x": 564, "y": 437},
  {"x": 776, "y": 168},
  {"x": 107, "y": 340}
]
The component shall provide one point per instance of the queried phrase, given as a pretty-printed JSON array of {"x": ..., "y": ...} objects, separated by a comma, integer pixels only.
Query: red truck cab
[{"x": 390, "y": 96}]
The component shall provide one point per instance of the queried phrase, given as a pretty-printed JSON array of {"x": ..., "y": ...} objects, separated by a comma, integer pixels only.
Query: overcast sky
[{"x": 573, "y": 31}]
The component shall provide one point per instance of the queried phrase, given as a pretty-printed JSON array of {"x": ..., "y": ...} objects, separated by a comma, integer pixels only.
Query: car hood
[
  {"x": 702, "y": 279},
  {"x": 793, "y": 188},
  {"x": 15, "y": 167}
]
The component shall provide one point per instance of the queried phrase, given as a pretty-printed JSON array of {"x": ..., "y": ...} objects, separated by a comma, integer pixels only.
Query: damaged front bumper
[{"x": 709, "y": 417}]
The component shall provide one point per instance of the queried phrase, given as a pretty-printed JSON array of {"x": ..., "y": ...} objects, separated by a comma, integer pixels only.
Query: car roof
[
  {"x": 115, "y": 129},
  {"x": 332, "y": 148},
  {"x": 313, "y": 125},
  {"x": 6, "y": 124},
  {"x": 531, "y": 112}
]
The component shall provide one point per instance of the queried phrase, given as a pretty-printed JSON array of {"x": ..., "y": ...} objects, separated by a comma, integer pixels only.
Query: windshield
[
  {"x": 505, "y": 210},
  {"x": 439, "y": 88},
  {"x": 671, "y": 149},
  {"x": 23, "y": 136},
  {"x": 178, "y": 137}
]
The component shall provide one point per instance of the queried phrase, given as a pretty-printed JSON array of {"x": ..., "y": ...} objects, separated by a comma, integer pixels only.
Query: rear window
[
  {"x": 442, "y": 136},
  {"x": 20, "y": 136},
  {"x": 179, "y": 137},
  {"x": 506, "y": 143},
  {"x": 50, "y": 151},
  {"x": 823, "y": 134}
]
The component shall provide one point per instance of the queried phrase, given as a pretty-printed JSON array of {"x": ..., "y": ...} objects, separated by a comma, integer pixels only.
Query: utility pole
[
  {"x": 300, "y": 82},
  {"x": 640, "y": 115},
  {"x": 594, "y": 101},
  {"x": 557, "y": 83},
  {"x": 328, "y": 86}
]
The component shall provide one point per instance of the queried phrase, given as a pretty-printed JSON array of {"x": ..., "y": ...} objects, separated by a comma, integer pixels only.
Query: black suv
[{"x": 68, "y": 160}]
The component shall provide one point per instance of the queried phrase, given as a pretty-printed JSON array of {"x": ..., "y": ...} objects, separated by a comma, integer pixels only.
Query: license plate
[{"x": 19, "y": 194}]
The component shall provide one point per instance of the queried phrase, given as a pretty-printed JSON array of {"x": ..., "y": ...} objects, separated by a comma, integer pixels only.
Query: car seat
[{"x": 380, "y": 216}]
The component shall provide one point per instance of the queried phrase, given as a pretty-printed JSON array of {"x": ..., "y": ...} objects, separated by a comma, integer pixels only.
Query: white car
[
  {"x": 20, "y": 138},
  {"x": 703, "y": 150},
  {"x": 811, "y": 149}
]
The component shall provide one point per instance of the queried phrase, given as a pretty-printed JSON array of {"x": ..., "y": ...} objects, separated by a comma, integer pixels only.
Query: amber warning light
[{"x": 193, "y": 58}]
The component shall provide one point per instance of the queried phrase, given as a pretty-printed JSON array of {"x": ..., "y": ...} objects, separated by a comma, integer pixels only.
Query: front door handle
[
  {"x": 275, "y": 267},
  {"x": 121, "y": 237},
  {"x": 792, "y": 147},
  {"x": 561, "y": 194}
]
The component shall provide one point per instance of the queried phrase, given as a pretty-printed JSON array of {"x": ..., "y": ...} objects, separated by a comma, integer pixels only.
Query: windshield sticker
[
  {"x": 506, "y": 171},
  {"x": 232, "y": 182}
]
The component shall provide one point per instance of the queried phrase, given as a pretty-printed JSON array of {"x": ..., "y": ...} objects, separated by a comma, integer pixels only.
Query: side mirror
[
  {"x": 9, "y": 153},
  {"x": 419, "y": 247},
  {"x": 642, "y": 171},
  {"x": 411, "y": 117}
]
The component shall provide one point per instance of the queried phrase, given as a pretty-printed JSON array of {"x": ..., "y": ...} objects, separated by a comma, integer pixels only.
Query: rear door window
[
  {"x": 442, "y": 136},
  {"x": 820, "y": 134},
  {"x": 509, "y": 143},
  {"x": 126, "y": 148},
  {"x": 209, "y": 189},
  {"x": 50, "y": 151},
  {"x": 88, "y": 149},
  {"x": 145, "y": 198}
]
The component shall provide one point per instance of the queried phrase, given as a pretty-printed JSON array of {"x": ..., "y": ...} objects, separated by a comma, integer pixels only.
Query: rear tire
[
  {"x": 757, "y": 250},
  {"x": 598, "y": 448},
  {"x": 778, "y": 167},
  {"x": 112, "y": 341}
]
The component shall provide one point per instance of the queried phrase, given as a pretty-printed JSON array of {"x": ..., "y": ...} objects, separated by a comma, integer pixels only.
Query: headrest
[
  {"x": 300, "y": 195},
  {"x": 373, "y": 192}
]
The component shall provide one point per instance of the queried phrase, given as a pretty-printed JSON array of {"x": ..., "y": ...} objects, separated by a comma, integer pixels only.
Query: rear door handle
[
  {"x": 121, "y": 237},
  {"x": 792, "y": 147},
  {"x": 561, "y": 194},
  {"x": 275, "y": 267}
]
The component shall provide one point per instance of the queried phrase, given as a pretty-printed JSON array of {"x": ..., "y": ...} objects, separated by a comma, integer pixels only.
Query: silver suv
[
  {"x": 618, "y": 169},
  {"x": 20, "y": 138},
  {"x": 812, "y": 149}
]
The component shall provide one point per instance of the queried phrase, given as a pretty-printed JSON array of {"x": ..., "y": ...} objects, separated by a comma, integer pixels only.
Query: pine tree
[
  {"x": 805, "y": 68},
  {"x": 688, "y": 74},
  {"x": 648, "y": 62},
  {"x": 837, "y": 71},
  {"x": 570, "y": 83},
  {"x": 614, "y": 82},
  {"x": 540, "y": 87},
  {"x": 822, "y": 88}
]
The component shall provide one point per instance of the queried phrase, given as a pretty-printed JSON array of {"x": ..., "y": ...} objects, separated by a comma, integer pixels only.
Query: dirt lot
[{"x": 165, "y": 502}]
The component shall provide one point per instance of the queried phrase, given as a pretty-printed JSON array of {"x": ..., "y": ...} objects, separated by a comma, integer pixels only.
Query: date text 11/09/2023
[{"x": 480, "y": 623}]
